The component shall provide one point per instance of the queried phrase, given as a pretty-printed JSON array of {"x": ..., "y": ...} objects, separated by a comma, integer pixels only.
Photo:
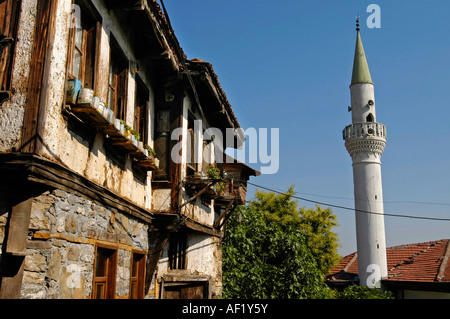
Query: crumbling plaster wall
[
  {"x": 12, "y": 111},
  {"x": 67, "y": 147},
  {"x": 203, "y": 257},
  {"x": 198, "y": 210}
]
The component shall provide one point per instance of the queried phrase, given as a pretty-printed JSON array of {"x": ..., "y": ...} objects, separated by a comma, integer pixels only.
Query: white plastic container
[{"x": 86, "y": 96}]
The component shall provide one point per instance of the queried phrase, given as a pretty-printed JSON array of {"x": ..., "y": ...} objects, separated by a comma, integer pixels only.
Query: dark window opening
[
  {"x": 369, "y": 118},
  {"x": 177, "y": 250},
  {"x": 162, "y": 144}
]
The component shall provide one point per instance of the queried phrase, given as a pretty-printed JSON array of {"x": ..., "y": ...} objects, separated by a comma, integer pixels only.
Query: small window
[
  {"x": 137, "y": 276},
  {"x": 118, "y": 81},
  {"x": 83, "y": 44},
  {"x": 9, "y": 16},
  {"x": 162, "y": 144},
  {"x": 105, "y": 273},
  {"x": 369, "y": 118},
  {"x": 177, "y": 250},
  {"x": 141, "y": 110},
  {"x": 191, "y": 147}
]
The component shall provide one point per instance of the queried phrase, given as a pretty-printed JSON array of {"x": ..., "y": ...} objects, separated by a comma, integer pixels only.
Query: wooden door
[{"x": 193, "y": 290}]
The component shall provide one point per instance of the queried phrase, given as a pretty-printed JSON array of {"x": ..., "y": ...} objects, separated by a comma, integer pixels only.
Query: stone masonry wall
[{"x": 64, "y": 231}]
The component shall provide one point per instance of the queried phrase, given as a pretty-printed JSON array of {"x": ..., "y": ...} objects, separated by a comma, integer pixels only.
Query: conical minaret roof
[{"x": 361, "y": 73}]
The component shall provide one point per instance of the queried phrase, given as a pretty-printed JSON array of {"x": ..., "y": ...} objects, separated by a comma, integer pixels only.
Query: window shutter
[
  {"x": 122, "y": 83},
  {"x": 9, "y": 16},
  {"x": 89, "y": 75}
]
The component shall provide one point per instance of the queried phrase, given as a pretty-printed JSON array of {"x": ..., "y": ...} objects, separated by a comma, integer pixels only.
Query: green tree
[
  {"x": 263, "y": 258},
  {"x": 316, "y": 224}
]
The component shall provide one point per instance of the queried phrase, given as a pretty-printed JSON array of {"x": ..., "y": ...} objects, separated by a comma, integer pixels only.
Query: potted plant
[
  {"x": 127, "y": 130},
  {"x": 149, "y": 150},
  {"x": 135, "y": 137},
  {"x": 213, "y": 172}
]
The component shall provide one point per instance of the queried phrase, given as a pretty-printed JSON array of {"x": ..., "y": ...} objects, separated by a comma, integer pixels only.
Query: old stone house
[{"x": 110, "y": 186}]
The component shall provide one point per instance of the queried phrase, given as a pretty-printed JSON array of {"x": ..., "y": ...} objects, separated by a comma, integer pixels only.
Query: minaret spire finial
[{"x": 357, "y": 23}]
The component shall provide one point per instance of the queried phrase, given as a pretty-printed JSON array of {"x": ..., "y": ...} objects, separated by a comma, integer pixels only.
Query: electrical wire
[
  {"x": 368, "y": 200},
  {"x": 349, "y": 208}
]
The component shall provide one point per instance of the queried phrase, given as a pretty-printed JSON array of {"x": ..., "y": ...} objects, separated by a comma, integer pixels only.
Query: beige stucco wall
[
  {"x": 12, "y": 111},
  {"x": 69, "y": 148},
  {"x": 203, "y": 258}
]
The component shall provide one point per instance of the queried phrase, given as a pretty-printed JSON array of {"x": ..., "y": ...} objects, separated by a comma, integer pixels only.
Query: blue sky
[{"x": 287, "y": 64}]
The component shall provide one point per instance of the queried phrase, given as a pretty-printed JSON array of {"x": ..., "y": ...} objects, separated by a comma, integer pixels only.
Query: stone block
[
  {"x": 71, "y": 224},
  {"x": 35, "y": 262}
]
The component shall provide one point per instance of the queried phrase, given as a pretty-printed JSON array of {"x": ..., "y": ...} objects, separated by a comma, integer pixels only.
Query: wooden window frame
[
  {"x": 192, "y": 166},
  {"x": 141, "y": 110},
  {"x": 90, "y": 23},
  {"x": 8, "y": 30},
  {"x": 178, "y": 250},
  {"x": 118, "y": 80},
  {"x": 109, "y": 279},
  {"x": 137, "y": 275}
]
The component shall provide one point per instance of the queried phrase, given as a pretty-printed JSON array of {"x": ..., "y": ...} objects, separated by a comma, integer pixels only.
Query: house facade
[{"x": 113, "y": 182}]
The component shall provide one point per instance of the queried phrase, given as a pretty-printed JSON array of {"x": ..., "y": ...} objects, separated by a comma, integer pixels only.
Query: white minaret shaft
[{"x": 365, "y": 140}]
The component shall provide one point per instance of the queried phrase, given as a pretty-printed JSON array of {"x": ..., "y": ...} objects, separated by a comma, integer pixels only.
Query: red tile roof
[{"x": 421, "y": 262}]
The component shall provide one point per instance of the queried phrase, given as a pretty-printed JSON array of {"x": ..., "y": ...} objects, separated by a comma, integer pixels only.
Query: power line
[
  {"x": 368, "y": 200},
  {"x": 349, "y": 208}
]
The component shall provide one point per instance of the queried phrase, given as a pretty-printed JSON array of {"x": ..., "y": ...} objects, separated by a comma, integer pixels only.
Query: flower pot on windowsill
[
  {"x": 128, "y": 134},
  {"x": 95, "y": 102},
  {"x": 105, "y": 112},
  {"x": 73, "y": 89},
  {"x": 86, "y": 96},
  {"x": 111, "y": 117},
  {"x": 134, "y": 139},
  {"x": 117, "y": 124},
  {"x": 100, "y": 107}
]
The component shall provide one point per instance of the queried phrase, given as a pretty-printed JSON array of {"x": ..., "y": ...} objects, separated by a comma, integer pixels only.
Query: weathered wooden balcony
[{"x": 91, "y": 115}]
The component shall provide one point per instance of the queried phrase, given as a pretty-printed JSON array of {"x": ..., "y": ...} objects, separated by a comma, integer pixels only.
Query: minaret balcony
[{"x": 364, "y": 130}]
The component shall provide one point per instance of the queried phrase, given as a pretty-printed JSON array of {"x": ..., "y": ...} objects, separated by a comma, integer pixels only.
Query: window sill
[{"x": 111, "y": 128}]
